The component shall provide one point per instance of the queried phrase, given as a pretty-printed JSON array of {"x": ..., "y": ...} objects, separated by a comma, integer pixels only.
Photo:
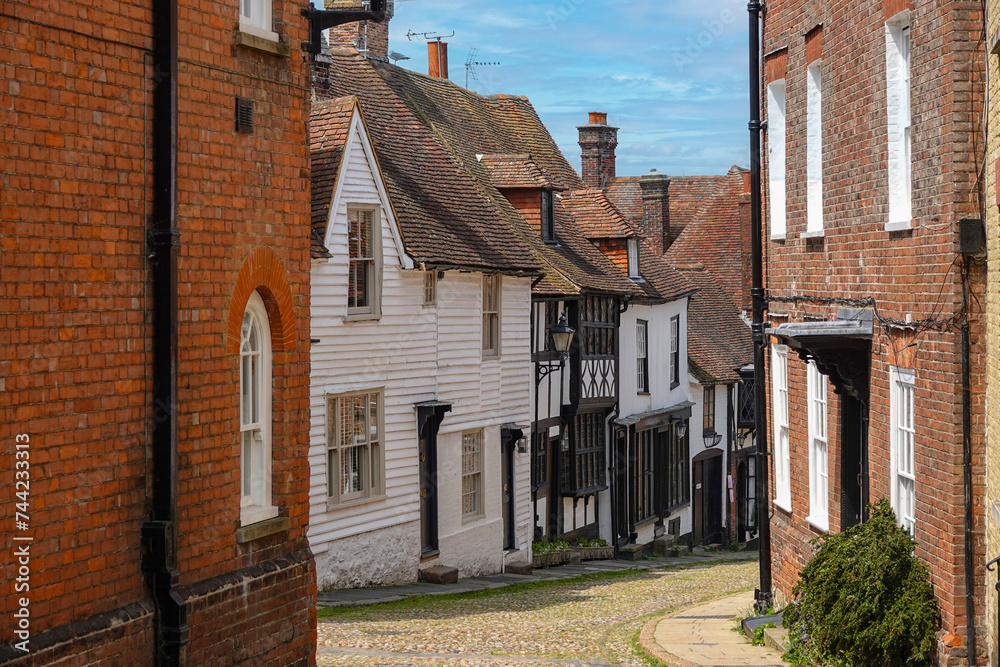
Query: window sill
[
  {"x": 777, "y": 237},
  {"x": 642, "y": 393},
  {"x": 362, "y": 317},
  {"x": 674, "y": 385},
  {"x": 818, "y": 523},
  {"x": 903, "y": 225},
  {"x": 784, "y": 505},
  {"x": 263, "y": 529},
  {"x": 491, "y": 357},
  {"x": 262, "y": 40},
  {"x": 429, "y": 555},
  {"x": 252, "y": 514},
  {"x": 815, "y": 234},
  {"x": 472, "y": 518},
  {"x": 353, "y": 502}
]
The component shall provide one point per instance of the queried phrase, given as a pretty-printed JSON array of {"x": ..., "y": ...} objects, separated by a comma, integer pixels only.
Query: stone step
[
  {"x": 630, "y": 552},
  {"x": 776, "y": 638},
  {"x": 520, "y": 568},
  {"x": 439, "y": 574}
]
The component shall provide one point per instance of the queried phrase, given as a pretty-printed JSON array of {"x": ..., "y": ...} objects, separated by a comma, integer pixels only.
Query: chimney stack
[
  {"x": 437, "y": 59},
  {"x": 656, "y": 209},
  {"x": 368, "y": 37},
  {"x": 597, "y": 144}
]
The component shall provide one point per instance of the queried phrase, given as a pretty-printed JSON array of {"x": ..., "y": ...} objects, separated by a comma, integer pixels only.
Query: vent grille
[{"x": 244, "y": 115}]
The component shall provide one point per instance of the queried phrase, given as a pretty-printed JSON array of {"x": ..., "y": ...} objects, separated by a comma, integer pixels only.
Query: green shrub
[
  {"x": 539, "y": 548},
  {"x": 864, "y": 599}
]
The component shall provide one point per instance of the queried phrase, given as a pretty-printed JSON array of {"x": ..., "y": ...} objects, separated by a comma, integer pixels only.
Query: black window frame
[
  {"x": 642, "y": 363},
  {"x": 678, "y": 465},
  {"x": 548, "y": 223},
  {"x": 708, "y": 410}
]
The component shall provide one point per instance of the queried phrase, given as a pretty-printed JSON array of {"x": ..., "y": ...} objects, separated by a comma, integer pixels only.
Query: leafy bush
[
  {"x": 596, "y": 542},
  {"x": 864, "y": 599}
]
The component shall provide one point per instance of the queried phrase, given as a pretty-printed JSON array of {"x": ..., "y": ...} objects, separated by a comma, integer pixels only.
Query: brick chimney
[
  {"x": 597, "y": 144},
  {"x": 437, "y": 59},
  {"x": 368, "y": 37},
  {"x": 656, "y": 209}
]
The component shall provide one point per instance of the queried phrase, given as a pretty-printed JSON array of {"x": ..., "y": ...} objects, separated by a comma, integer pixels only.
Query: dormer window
[
  {"x": 548, "y": 217},
  {"x": 633, "y": 259}
]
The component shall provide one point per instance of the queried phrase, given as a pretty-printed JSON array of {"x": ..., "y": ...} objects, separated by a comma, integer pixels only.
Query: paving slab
[{"x": 704, "y": 636}]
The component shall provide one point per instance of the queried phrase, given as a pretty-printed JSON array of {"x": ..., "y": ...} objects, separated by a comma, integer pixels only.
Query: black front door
[
  {"x": 507, "y": 490},
  {"x": 706, "y": 498},
  {"x": 428, "y": 488},
  {"x": 854, "y": 461}
]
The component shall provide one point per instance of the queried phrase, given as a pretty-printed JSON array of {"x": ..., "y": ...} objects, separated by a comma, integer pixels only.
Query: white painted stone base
[{"x": 377, "y": 558}]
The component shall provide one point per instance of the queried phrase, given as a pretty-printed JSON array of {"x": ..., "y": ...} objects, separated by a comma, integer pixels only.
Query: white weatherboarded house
[{"x": 421, "y": 370}]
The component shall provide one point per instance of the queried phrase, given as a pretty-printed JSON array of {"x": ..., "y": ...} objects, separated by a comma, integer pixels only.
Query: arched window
[{"x": 255, "y": 414}]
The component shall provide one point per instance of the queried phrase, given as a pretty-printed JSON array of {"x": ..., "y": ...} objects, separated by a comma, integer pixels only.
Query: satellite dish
[{"x": 396, "y": 56}]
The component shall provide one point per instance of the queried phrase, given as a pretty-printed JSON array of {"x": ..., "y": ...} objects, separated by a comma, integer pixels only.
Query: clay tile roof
[
  {"x": 445, "y": 219},
  {"x": 515, "y": 170},
  {"x": 662, "y": 282},
  {"x": 687, "y": 195},
  {"x": 713, "y": 237},
  {"x": 401, "y": 106},
  {"x": 597, "y": 216},
  {"x": 719, "y": 341},
  {"x": 329, "y": 124}
]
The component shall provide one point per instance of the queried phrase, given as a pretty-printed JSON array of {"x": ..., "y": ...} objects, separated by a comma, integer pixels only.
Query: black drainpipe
[
  {"x": 764, "y": 594},
  {"x": 159, "y": 560}
]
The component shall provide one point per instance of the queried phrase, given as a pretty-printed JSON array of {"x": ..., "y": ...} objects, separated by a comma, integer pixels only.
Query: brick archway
[{"x": 262, "y": 271}]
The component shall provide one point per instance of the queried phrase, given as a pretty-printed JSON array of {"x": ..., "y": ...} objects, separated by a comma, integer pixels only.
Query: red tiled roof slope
[
  {"x": 445, "y": 219},
  {"x": 329, "y": 124},
  {"x": 713, "y": 236},
  {"x": 598, "y": 218},
  {"x": 516, "y": 171},
  {"x": 719, "y": 341},
  {"x": 687, "y": 196}
]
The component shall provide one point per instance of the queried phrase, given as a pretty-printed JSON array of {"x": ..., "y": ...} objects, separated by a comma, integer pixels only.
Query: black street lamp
[{"x": 562, "y": 337}]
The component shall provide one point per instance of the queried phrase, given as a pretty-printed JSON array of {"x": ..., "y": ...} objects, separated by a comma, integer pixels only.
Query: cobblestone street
[{"x": 586, "y": 621}]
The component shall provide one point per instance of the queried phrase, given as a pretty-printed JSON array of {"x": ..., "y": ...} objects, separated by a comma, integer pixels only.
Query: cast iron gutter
[
  {"x": 764, "y": 595},
  {"x": 159, "y": 533}
]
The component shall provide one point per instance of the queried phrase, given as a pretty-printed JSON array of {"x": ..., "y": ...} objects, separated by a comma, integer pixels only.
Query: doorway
[
  {"x": 706, "y": 497},
  {"x": 854, "y": 461}
]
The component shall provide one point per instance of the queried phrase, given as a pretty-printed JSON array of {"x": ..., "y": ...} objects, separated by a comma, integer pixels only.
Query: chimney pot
[
  {"x": 598, "y": 118},
  {"x": 598, "y": 141},
  {"x": 655, "y": 189},
  {"x": 437, "y": 59}
]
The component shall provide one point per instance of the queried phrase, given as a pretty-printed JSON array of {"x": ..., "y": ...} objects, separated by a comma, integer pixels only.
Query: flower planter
[
  {"x": 595, "y": 553},
  {"x": 550, "y": 559}
]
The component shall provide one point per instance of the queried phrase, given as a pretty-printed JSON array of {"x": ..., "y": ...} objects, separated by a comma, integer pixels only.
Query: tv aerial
[
  {"x": 429, "y": 36},
  {"x": 471, "y": 64}
]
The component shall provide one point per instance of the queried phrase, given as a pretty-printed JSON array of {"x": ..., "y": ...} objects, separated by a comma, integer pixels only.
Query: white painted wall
[{"x": 413, "y": 353}]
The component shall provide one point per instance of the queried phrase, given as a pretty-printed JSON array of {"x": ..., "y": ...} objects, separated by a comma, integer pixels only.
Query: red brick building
[
  {"x": 873, "y": 146},
  {"x": 150, "y": 275}
]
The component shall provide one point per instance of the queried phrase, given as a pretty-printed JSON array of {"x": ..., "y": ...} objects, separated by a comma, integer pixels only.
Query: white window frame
[
  {"x": 642, "y": 356},
  {"x": 776, "y": 157},
  {"x": 902, "y": 394},
  {"x": 491, "y": 315},
  {"x": 814, "y": 148},
  {"x": 782, "y": 455},
  {"x": 372, "y": 461},
  {"x": 255, "y": 414},
  {"x": 819, "y": 476},
  {"x": 632, "y": 254},
  {"x": 473, "y": 495},
  {"x": 899, "y": 121},
  {"x": 257, "y": 18},
  {"x": 675, "y": 351},
  {"x": 373, "y": 309}
]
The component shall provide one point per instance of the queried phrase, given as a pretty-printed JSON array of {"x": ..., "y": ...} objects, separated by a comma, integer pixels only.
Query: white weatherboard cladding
[
  {"x": 660, "y": 395},
  {"x": 412, "y": 353}
]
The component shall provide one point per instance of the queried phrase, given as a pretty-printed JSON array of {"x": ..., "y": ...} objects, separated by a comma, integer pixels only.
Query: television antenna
[
  {"x": 471, "y": 64},
  {"x": 427, "y": 35}
]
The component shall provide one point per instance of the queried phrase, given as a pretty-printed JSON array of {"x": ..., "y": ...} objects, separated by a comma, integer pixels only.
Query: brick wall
[
  {"x": 913, "y": 273},
  {"x": 75, "y": 351}
]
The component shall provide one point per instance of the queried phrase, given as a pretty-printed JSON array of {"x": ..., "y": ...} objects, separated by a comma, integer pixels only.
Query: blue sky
[{"x": 672, "y": 74}]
